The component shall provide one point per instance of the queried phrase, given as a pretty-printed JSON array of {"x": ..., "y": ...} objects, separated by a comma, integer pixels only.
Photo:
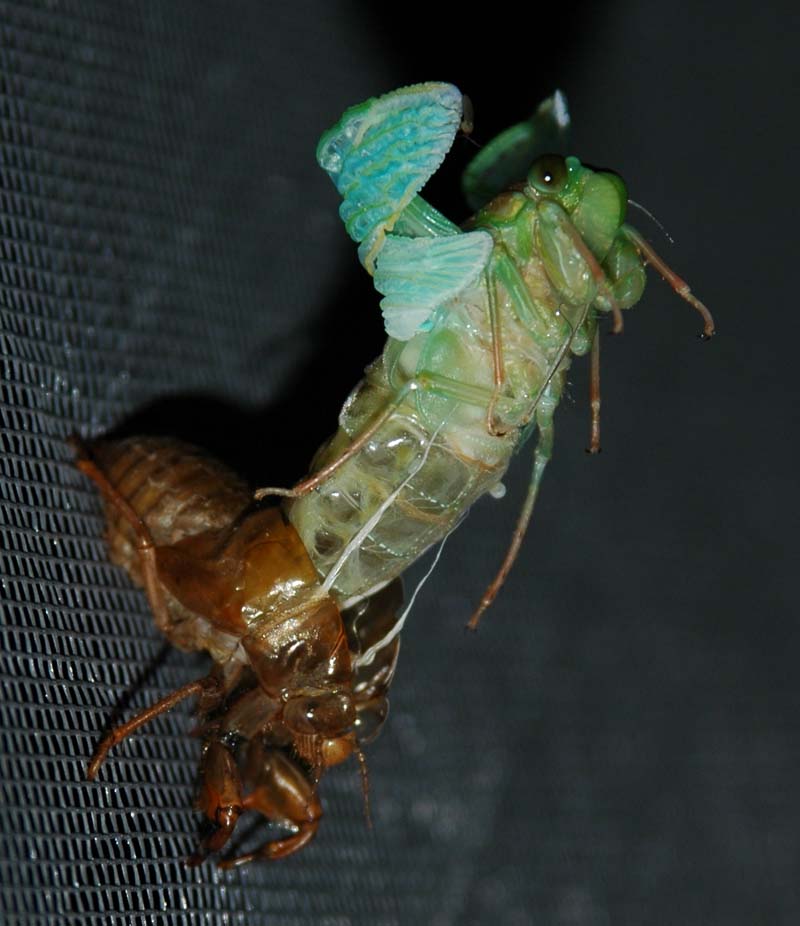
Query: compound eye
[{"x": 549, "y": 174}]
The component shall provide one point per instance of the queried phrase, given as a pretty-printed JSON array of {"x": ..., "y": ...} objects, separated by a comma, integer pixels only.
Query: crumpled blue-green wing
[
  {"x": 382, "y": 152},
  {"x": 507, "y": 158},
  {"x": 416, "y": 275}
]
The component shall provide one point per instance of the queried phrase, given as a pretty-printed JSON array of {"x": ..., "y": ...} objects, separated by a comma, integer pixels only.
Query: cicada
[{"x": 298, "y": 601}]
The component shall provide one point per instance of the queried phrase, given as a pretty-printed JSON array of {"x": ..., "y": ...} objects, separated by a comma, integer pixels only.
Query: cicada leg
[
  {"x": 594, "y": 394},
  {"x": 219, "y": 799},
  {"x": 282, "y": 792},
  {"x": 679, "y": 286},
  {"x": 321, "y": 475},
  {"x": 207, "y": 687},
  {"x": 505, "y": 271},
  {"x": 497, "y": 358},
  {"x": 604, "y": 288},
  {"x": 541, "y": 457}
]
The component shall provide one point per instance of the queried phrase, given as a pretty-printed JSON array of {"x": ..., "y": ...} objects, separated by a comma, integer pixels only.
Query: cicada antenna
[{"x": 652, "y": 218}]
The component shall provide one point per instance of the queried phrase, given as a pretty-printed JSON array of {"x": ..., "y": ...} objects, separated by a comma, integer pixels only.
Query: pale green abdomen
[{"x": 403, "y": 491}]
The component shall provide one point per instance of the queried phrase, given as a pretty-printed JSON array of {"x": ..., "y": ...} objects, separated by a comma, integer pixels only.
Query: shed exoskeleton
[{"x": 285, "y": 700}]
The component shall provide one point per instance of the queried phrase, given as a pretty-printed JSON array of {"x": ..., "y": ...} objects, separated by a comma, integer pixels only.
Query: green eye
[{"x": 548, "y": 174}]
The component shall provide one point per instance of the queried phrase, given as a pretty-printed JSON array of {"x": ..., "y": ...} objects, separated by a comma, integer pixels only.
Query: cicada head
[{"x": 595, "y": 202}]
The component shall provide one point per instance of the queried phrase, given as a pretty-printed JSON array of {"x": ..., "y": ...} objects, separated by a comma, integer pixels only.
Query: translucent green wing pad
[
  {"x": 416, "y": 275},
  {"x": 507, "y": 158},
  {"x": 382, "y": 152}
]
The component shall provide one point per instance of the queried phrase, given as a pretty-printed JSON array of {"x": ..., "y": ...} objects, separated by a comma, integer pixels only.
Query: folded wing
[
  {"x": 382, "y": 152},
  {"x": 416, "y": 275}
]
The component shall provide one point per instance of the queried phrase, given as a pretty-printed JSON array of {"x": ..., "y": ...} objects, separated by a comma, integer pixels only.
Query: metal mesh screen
[
  {"x": 615, "y": 746},
  {"x": 135, "y": 145}
]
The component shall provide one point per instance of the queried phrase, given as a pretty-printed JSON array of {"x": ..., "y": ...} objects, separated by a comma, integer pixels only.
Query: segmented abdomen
[
  {"x": 174, "y": 488},
  {"x": 177, "y": 491},
  {"x": 403, "y": 491}
]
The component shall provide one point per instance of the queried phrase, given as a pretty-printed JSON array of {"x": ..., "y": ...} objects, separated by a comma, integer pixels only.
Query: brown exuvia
[{"x": 285, "y": 699}]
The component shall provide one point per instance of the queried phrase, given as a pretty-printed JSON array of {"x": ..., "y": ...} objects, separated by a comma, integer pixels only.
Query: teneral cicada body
[
  {"x": 483, "y": 322},
  {"x": 298, "y": 603}
]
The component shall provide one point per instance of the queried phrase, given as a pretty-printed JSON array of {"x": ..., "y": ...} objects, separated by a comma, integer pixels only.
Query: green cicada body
[{"x": 483, "y": 321}]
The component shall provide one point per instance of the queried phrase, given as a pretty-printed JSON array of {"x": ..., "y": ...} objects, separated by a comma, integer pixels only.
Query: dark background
[{"x": 618, "y": 744}]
